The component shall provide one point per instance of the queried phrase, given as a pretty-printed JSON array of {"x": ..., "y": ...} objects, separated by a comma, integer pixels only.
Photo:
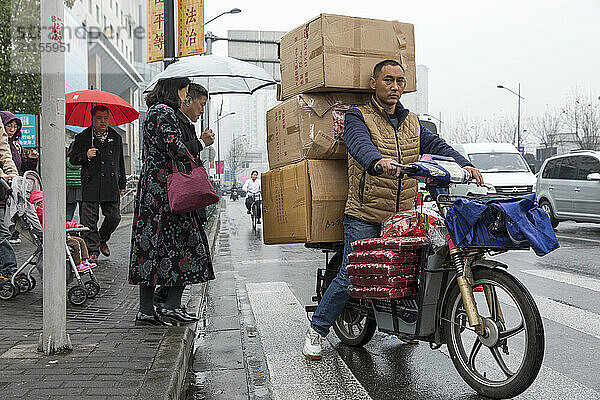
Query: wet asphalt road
[{"x": 565, "y": 285}]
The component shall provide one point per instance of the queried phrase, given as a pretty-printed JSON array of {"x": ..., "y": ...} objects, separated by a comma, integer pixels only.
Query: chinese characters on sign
[
  {"x": 28, "y": 130},
  {"x": 156, "y": 30},
  {"x": 220, "y": 167},
  {"x": 191, "y": 27},
  {"x": 57, "y": 29}
]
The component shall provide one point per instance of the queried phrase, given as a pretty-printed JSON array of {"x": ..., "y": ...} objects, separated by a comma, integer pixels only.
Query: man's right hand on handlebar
[{"x": 388, "y": 168}]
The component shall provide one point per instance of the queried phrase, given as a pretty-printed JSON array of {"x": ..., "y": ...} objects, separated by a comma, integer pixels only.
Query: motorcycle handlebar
[{"x": 405, "y": 169}]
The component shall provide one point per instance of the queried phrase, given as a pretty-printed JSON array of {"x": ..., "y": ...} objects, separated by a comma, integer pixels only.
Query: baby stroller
[{"x": 21, "y": 216}]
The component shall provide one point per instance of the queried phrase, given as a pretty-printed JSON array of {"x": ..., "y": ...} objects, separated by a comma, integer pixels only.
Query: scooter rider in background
[
  {"x": 234, "y": 192},
  {"x": 377, "y": 133},
  {"x": 251, "y": 187}
]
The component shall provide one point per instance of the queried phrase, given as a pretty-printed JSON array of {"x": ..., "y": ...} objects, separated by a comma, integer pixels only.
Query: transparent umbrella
[{"x": 218, "y": 74}]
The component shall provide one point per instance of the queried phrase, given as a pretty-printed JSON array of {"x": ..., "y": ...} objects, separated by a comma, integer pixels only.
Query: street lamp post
[
  {"x": 54, "y": 338},
  {"x": 209, "y": 37},
  {"x": 518, "y": 94},
  {"x": 169, "y": 34}
]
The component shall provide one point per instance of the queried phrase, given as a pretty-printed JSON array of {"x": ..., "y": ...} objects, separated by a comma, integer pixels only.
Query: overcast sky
[{"x": 550, "y": 47}]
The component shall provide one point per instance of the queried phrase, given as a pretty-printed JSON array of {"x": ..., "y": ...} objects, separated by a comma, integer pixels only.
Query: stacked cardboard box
[{"x": 326, "y": 65}]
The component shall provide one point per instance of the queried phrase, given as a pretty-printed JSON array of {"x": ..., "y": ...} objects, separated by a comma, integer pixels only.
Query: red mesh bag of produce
[
  {"x": 391, "y": 281},
  {"x": 382, "y": 269},
  {"x": 410, "y": 223},
  {"x": 401, "y": 244},
  {"x": 386, "y": 257},
  {"x": 379, "y": 292}
]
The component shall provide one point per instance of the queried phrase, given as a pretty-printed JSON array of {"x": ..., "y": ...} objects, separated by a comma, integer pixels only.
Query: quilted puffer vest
[{"x": 375, "y": 198}]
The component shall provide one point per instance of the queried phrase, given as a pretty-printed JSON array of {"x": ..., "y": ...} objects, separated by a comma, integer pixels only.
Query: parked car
[
  {"x": 503, "y": 168},
  {"x": 568, "y": 187}
]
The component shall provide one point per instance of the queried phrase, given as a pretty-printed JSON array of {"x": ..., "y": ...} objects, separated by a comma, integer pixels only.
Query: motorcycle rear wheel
[
  {"x": 352, "y": 327},
  {"x": 514, "y": 336}
]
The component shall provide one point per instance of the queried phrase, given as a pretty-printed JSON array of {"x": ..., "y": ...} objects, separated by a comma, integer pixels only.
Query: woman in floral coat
[{"x": 166, "y": 249}]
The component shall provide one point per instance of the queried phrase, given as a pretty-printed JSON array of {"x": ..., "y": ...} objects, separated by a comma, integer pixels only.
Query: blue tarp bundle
[{"x": 511, "y": 223}]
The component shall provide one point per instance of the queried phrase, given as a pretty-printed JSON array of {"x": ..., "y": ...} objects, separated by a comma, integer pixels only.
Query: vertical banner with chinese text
[
  {"x": 190, "y": 27},
  {"x": 156, "y": 30}
]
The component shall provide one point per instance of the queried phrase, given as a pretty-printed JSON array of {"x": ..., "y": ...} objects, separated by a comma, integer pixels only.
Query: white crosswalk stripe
[
  {"x": 282, "y": 323},
  {"x": 572, "y": 317},
  {"x": 566, "y": 277},
  {"x": 280, "y": 261}
]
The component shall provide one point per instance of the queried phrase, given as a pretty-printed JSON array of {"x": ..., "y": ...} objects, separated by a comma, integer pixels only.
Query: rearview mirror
[{"x": 594, "y": 177}]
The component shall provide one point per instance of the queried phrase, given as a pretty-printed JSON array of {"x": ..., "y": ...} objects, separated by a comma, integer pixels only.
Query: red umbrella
[{"x": 81, "y": 102}]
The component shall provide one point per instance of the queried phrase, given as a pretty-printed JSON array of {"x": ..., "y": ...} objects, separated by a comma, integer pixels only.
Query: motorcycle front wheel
[{"x": 504, "y": 361}]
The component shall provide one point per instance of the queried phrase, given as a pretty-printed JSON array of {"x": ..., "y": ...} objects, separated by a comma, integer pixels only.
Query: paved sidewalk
[{"x": 111, "y": 358}]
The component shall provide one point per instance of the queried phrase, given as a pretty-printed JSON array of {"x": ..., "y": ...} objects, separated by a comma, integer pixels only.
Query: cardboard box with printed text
[
  {"x": 309, "y": 126},
  {"x": 338, "y": 53},
  {"x": 304, "y": 202}
]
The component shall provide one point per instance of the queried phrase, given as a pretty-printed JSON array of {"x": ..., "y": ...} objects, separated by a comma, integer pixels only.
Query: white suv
[{"x": 568, "y": 187}]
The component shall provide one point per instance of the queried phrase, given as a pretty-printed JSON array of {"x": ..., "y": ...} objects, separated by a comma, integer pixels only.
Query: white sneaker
[
  {"x": 312, "y": 345},
  {"x": 14, "y": 241}
]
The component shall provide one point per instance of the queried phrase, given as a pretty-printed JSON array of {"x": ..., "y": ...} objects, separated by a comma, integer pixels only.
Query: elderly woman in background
[
  {"x": 8, "y": 260},
  {"x": 24, "y": 161},
  {"x": 167, "y": 249}
]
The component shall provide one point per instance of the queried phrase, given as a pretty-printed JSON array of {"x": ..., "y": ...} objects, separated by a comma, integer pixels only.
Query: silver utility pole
[{"x": 54, "y": 338}]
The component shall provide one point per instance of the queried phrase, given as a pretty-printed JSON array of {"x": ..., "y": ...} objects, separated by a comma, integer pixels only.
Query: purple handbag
[{"x": 189, "y": 192}]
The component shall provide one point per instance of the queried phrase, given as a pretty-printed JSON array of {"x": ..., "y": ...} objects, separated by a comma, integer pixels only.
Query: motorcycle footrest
[{"x": 311, "y": 308}]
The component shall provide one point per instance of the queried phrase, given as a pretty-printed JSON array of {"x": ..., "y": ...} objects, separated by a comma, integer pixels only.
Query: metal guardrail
[{"x": 128, "y": 198}]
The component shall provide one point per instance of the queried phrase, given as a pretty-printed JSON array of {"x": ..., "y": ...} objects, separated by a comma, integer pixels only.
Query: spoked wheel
[
  {"x": 92, "y": 289},
  {"x": 7, "y": 290},
  {"x": 24, "y": 284},
  {"x": 506, "y": 360},
  {"x": 77, "y": 295},
  {"x": 353, "y": 327}
]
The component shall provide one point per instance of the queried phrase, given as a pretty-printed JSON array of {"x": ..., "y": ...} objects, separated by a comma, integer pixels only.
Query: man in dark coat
[
  {"x": 187, "y": 115},
  {"x": 189, "y": 112},
  {"x": 99, "y": 150}
]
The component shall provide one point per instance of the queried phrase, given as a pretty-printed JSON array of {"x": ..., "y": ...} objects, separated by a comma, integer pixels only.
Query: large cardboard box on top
[
  {"x": 309, "y": 126},
  {"x": 338, "y": 53},
  {"x": 304, "y": 202}
]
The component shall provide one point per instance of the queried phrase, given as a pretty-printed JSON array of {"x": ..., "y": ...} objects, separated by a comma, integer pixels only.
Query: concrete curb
[{"x": 166, "y": 378}]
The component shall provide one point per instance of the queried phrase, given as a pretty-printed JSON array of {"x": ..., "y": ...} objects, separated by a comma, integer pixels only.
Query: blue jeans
[
  {"x": 334, "y": 300},
  {"x": 8, "y": 259}
]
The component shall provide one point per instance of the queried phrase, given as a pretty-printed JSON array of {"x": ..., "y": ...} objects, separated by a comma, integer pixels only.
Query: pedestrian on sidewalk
[
  {"x": 99, "y": 151},
  {"x": 73, "y": 185},
  {"x": 166, "y": 249},
  {"x": 24, "y": 161},
  {"x": 8, "y": 170},
  {"x": 189, "y": 113}
]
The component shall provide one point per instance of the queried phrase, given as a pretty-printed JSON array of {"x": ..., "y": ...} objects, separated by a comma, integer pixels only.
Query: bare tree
[
  {"x": 545, "y": 128},
  {"x": 502, "y": 130},
  {"x": 582, "y": 117},
  {"x": 466, "y": 130},
  {"x": 237, "y": 153}
]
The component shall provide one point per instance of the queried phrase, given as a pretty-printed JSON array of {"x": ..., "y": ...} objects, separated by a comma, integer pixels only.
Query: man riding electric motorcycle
[{"x": 376, "y": 134}]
